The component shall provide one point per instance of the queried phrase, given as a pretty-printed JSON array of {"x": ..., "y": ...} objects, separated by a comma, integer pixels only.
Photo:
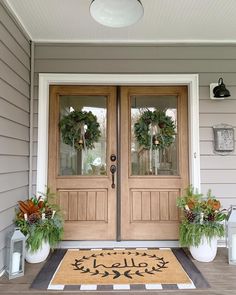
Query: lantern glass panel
[
  {"x": 17, "y": 257},
  {"x": 232, "y": 244}
]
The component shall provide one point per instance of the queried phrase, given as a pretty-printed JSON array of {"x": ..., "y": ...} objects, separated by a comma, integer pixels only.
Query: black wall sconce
[{"x": 219, "y": 91}]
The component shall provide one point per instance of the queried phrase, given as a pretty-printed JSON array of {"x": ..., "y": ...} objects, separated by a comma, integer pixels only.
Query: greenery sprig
[
  {"x": 163, "y": 139},
  {"x": 72, "y": 125}
]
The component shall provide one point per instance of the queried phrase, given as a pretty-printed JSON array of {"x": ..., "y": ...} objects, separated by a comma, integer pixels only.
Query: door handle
[{"x": 113, "y": 171}]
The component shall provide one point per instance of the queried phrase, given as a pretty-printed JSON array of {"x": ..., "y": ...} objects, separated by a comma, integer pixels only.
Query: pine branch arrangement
[
  {"x": 201, "y": 217},
  {"x": 39, "y": 219}
]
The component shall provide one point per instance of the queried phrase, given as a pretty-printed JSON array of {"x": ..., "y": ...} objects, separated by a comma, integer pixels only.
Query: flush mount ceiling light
[{"x": 116, "y": 13}]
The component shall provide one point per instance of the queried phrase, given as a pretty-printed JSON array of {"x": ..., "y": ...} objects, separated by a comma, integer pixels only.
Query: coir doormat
[{"x": 119, "y": 269}]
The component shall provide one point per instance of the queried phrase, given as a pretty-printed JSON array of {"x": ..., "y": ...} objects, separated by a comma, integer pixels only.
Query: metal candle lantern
[
  {"x": 15, "y": 254},
  {"x": 231, "y": 236}
]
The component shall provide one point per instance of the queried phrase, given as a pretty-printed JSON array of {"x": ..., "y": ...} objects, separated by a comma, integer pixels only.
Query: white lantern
[
  {"x": 231, "y": 236},
  {"x": 15, "y": 254}
]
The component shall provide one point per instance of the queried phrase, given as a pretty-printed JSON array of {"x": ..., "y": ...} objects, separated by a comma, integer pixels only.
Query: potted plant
[
  {"x": 201, "y": 224},
  {"x": 40, "y": 220}
]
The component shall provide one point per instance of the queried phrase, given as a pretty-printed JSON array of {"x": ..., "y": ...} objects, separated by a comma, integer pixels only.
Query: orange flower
[
  {"x": 215, "y": 205},
  {"x": 191, "y": 203}
]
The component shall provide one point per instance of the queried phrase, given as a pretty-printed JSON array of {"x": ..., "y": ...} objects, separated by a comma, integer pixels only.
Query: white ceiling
[{"x": 164, "y": 21}]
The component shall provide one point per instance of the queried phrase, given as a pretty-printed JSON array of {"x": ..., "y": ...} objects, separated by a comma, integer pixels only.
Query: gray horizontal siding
[
  {"x": 216, "y": 162},
  {"x": 13, "y": 96},
  {"x": 3, "y": 235},
  {"x": 14, "y": 63},
  {"x": 210, "y": 62},
  {"x": 213, "y": 176},
  {"x": 13, "y": 113},
  {"x": 206, "y": 133},
  {"x": 14, "y": 195},
  {"x": 145, "y": 65},
  {"x": 13, "y": 79},
  {"x": 227, "y": 202},
  {"x": 13, "y": 129},
  {"x": 210, "y": 119},
  {"x": 221, "y": 190},
  {"x": 7, "y": 217},
  {"x": 14, "y": 31},
  {"x": 206, "y": 149},
  {"x": 14, "y": 122},
  {"x": 10, "y": 42},
  {"x": 9, "y": 164},
  {"x": 14, "y": 147},
  {"x": 129, "y": 52},
  {"x": 9, "y": 181},
  {"x": 223, "y": 106}
]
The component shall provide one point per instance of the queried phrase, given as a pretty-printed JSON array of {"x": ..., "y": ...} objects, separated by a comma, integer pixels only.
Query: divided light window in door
[{"x": 87, "y": 161}]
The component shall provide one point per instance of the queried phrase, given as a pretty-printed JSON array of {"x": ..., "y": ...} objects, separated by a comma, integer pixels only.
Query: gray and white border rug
[{"x": 43, "y": 280}]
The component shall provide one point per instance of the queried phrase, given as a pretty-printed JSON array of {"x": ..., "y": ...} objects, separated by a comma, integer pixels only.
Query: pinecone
[
  {"x": 87, "y": 135},
  {"x": 48, "y": 213},
  {"x": 33, "y": 218},
  {"x": 211, "y": 217},
  {"x": 189, "y": 215}
]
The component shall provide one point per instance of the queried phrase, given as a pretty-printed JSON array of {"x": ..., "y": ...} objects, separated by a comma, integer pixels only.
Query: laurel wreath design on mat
[
  {"x": 160, "y": 265},
  {"x": 80, "y": 129},
  {"x": 148, "y": 121}
]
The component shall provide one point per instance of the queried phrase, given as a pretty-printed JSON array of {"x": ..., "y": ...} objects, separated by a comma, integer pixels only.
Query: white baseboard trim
[
  {"x": 114, "y": 244},
  {"x": 123, "y": 244},
  {"x": 221, "y": 244}
]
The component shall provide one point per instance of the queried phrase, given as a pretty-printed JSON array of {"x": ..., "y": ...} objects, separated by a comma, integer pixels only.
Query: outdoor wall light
[
  {"x": 116, "y": 13},
  {"x": 219, "y": 91}
]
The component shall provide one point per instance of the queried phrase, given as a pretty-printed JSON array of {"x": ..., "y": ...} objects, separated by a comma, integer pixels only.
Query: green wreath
[
  {"x": 163, "y": 138},
  {"x": 80, "y": 130}
]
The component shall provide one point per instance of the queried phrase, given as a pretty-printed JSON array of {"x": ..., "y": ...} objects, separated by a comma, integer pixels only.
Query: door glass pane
[
  {"x": 154, "y": 135},
  {"x": 79, "y": 152}
]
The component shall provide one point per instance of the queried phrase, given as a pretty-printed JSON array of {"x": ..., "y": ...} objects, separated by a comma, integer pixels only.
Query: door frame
[{"x": 45, "y": 80}]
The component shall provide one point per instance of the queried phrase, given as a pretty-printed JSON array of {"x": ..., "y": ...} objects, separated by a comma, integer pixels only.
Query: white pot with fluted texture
[
  {"x": 206, "y": 251},
  {"x": 38, "y": 256}
]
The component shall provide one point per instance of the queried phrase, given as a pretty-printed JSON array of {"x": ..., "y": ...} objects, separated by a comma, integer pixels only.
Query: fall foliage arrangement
[
  {"x": 202, "y": 216},
  {"x": 39, "y": 220}
]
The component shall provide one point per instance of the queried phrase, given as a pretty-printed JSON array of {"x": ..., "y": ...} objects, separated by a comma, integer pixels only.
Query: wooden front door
[
  {"x": 82, "y": 178},
  {"x": 152, "y": 179},
  {"x": 139, "y": 204}
]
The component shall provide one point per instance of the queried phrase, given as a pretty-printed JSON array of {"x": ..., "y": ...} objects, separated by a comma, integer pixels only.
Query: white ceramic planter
[
  {"x": 206, "y": 251},
  {"x": 38, "y": 256}
]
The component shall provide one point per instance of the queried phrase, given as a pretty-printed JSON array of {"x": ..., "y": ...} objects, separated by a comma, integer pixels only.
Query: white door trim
[{"x": 45, "y": 80}]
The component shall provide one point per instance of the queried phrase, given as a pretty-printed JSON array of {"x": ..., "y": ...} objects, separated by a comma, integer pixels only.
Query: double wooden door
[{"x": 119, "y": 189}]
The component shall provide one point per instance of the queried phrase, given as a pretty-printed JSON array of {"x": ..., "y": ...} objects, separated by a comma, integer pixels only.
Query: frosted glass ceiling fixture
[{"x": 116, "y": 13}]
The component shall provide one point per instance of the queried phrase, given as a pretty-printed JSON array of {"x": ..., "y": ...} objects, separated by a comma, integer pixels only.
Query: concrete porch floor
[{"x": 220, "y": 275}]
